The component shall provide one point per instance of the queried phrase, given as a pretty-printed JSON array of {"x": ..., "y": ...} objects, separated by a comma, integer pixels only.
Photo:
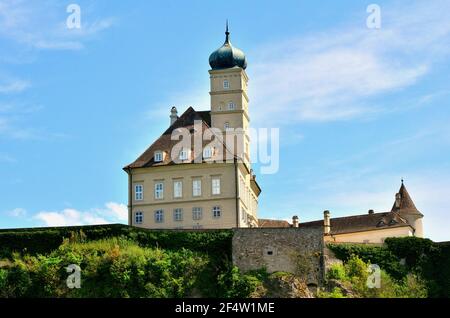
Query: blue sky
[{"x": 358, "y": 109}]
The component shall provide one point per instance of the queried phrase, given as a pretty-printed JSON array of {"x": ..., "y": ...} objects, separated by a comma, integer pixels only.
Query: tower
[
  {"x": 406, "y": 208},
  {"x": 229, "y": 99}
]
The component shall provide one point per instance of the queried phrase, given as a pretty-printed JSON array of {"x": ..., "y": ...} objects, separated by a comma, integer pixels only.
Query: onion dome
[{"x": 227, "y": 56}]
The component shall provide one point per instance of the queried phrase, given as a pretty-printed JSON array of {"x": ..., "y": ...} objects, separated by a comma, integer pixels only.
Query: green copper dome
[{"x": 227, "y": 56}]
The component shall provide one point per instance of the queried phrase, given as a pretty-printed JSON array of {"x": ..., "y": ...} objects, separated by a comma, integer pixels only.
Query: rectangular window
[
  {"x": 197, "y": 213},
  {"x": 138, "y": 218},
  {"x": 177, "y": 189},
  {"x": 139, "y": 192},
  {"x": 226, "y": 84},
  {"x": 196, "y": 188},
  {"x": 178, "y": 214},
  {"x": 197, "y": 227},
  {"x": 159, "y": 190},
  {"x": 159, "y": 216},
  {"x": 207, "y": 152},
  {"x": 231, "y": 106},
  {"x": 217, "y": 213},
  {"x": 215, "y": 186},
  {"x": 184, "y": 154},
  {"x": 158, "y": 156}
]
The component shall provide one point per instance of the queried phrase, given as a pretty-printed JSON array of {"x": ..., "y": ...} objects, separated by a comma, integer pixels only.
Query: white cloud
[
  {"x": 333, "y": 75},
  {"x": 13, "y": 86},
  {"x": 18, "y": 212},
  {"x": 42, "y": 25},
  {"x": 112, "y": 213},
  {"x": 118, "y": 210}
]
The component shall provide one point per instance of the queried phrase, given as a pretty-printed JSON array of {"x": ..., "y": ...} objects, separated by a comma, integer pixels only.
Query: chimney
[
  {"x": 173, "y": 115},
  {"x": 295, "y": 221},
  {"x": 371, "y": 211},
  {"x": 326, "y": 222},
  {"x": 398, "y": 199}
]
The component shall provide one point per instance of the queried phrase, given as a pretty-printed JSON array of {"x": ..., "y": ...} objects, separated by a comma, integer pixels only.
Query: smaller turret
[{"x": 406, "y": 208}]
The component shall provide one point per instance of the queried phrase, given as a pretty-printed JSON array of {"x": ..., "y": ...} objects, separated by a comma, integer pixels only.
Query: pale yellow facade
[
  {"x": 374, "y": 236},
  {"x": 229, "y": 104},
  {"x": 237, "y": 201}
]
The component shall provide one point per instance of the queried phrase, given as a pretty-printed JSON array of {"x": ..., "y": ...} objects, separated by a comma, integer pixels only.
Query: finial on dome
[{"x": 227, "y": 56}]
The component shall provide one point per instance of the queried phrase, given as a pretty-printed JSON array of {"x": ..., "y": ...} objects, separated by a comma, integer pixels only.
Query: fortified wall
[{"x": 294, "y": 250}]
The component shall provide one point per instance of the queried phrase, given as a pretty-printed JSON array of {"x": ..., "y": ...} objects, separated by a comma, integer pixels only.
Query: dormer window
[
  {"x": 226, "y": 84},
  {"x": 231, "y": 106},
  {"x": 158, "y": 156},
  {"x": 207, "y": 152},
  {"x": 184, "y": 154}
]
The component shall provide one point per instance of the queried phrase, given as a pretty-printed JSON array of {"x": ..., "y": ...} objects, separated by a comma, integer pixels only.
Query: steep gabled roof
[
  {"x": 165, "y": 143},
  {"x": 405, "y": 205}
]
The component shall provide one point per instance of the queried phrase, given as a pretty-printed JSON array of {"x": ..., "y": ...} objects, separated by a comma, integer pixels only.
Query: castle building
[
  {"x": 197, "y": 174},
  {"x": 404, "y": 219}
]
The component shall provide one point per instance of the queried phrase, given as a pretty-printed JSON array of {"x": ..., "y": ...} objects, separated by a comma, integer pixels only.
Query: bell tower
[{"x": 229, "y": 99}]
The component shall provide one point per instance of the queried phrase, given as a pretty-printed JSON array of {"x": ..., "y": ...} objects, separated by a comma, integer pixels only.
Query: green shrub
[
  {"x": 234, "y": 284},
  {"x": 403, "y": 256},
  {"x": 335, "y": 293},
  {"x": 110, "y": 268},
  {"x": 355, "y": 274},
  {"x": 337, "y": 271},
  {"x": 44, "y": 240}
]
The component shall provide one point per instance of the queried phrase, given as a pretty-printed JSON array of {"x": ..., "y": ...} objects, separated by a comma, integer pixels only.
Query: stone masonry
[{"x": 293, "y": 250}]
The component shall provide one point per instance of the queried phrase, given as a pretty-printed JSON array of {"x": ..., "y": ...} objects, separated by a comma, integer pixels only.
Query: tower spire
[{"x": 227, "y": 33}]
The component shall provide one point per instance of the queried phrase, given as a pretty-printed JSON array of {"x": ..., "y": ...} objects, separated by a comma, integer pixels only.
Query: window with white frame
[
  {"x": 139, "y": 192},
  {"x": 177, "y": 189},
  {"x": 184, "y": 153},
  {"x": 138, "y": 218},
  {"x": 159, "y": 190},
  {"x": 226, "y": 125},
  {"x": 178, "y": 214},
  {"x": 226, "y": 84},
  {"x": 215, "y": 185},
  {"x": 196, "y": 188},
  {"x": 231, "y": 106},
  {"x": 207, "y": 152},
  {"x": 158, "y": 156},
  {"x": 197, "y": 213},
  {"x": 159, "y": 216},
  {"x": 216, "y": 212}
]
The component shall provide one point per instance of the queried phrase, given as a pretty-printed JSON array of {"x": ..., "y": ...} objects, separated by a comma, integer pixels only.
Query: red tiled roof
[
  {"x": 165, "y": 143},
  {"x": 273, "y": 223},
  {"x": 349, "y": 224}
]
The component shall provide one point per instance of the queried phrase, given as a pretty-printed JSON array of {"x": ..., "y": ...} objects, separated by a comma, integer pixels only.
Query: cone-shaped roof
[{"x": 405, "y": 204}]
